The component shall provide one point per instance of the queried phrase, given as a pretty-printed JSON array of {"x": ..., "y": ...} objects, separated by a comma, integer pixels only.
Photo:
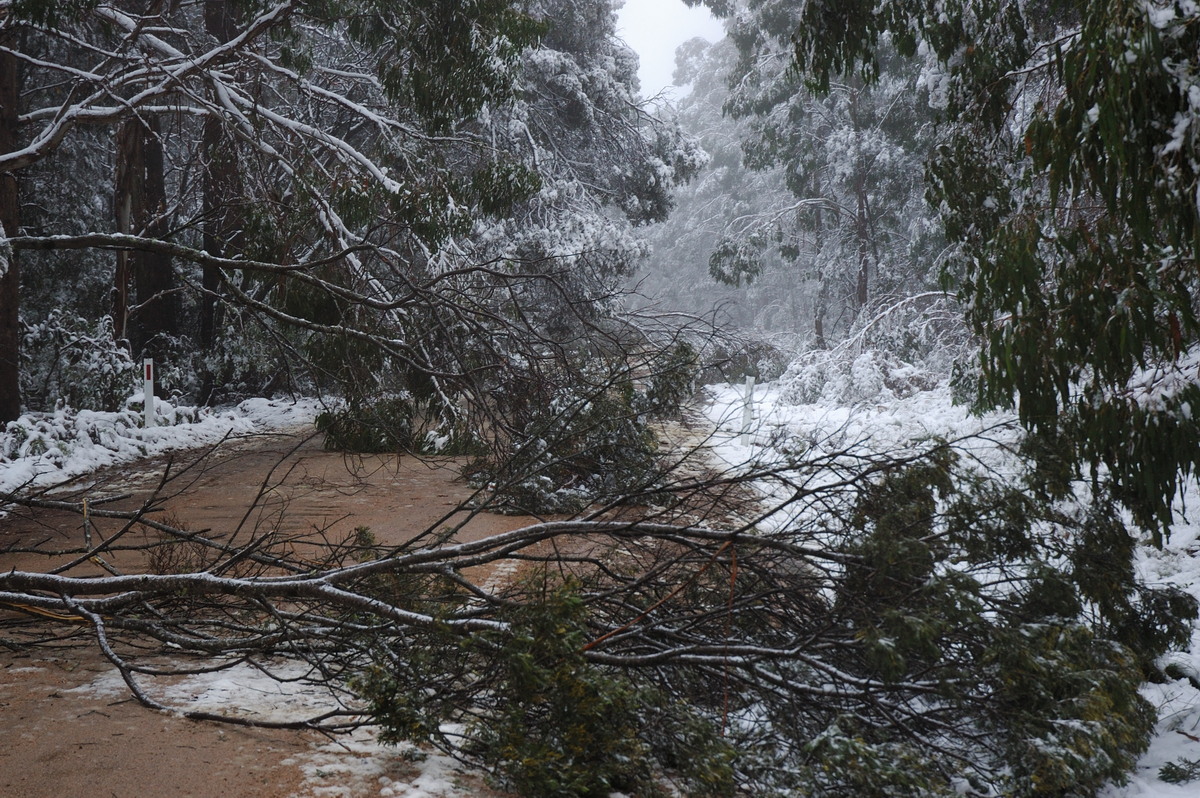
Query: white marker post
[
  {"x": 148, "y": 391},
  {"x": 748, "y": 410}
]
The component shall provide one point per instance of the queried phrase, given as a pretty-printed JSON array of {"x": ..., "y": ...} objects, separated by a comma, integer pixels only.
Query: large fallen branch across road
[{"x": 894, "y": 604}]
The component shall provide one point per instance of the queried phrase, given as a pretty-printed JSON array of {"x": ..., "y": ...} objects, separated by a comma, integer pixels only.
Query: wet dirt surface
[
  {"x": 282, "y": 485},
  {"x": 63, "y": 741}
]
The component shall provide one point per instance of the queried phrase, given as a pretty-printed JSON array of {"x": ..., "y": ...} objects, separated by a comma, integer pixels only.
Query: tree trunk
[
  {"x": 862, "y": 217},
  {"x": 863, "y": 232},
  {"x": 140, "y": 201},
  {"x": 222, "y": 186},
  {"x": 819, "y": 318},
  {"x": 10, "y": 220},
  {"x": 222, "y": 222}
]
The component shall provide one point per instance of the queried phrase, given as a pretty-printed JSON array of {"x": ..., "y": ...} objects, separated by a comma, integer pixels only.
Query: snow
[
  {"x": 1160, "y": 15},
  {"x": 43, "y": 449},
  {"x": 903, "y": 425},
  {"x": 351, "y": 765},
  {"x": 361, "y": 766},
  {"x": 5, "y": 254}
]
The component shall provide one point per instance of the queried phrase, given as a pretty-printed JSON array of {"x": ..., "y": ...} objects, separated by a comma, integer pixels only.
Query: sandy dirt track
[{"x": 62, "y": 741}]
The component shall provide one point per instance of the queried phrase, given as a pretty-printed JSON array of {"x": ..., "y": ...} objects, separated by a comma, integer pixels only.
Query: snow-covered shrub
[
  {"x": 71, "y": 361},
  {"x": 893, "y": 350},
  {"x": 841, "y": 377},
  {"x": 87, "y": 436},
  {"x": 47, "y": 442},
  {"x": 247, "y": 360}
]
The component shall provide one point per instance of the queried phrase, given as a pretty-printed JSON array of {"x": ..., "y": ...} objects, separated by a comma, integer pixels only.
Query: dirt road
[{"x": 65, "y": 737}]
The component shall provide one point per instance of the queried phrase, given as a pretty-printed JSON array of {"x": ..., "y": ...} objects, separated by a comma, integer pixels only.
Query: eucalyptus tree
[
  {"x": 727, "y": 205},
  {"x": 605, "y": 165},
  {"x": 355, "y": 183},
  {"x": 151, "y": 73},
  {"x": 10, "y": 223},
  {"x": 1066, "y": 170},
  {"x": 855, "y": 224}
]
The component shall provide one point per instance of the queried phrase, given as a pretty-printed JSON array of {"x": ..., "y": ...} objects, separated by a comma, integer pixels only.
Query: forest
[{"x": 462, "y": 229}]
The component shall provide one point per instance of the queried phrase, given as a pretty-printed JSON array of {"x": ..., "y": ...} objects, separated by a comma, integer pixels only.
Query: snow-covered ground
[
  {"x": 350, "y": 765},
  {"x": 903, "y": 424}
]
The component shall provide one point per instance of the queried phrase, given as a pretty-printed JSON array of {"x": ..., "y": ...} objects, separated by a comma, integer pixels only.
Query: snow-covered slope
[
  {"x": 41, "y": 449},
  {"x": 903, "y": 424}
]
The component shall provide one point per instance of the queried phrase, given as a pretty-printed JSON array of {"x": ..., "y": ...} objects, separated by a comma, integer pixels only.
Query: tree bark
[
  {"x": 10, "y": 222},
  {"x": 140, "y": 202},
  {"x": 862, "y": 218},
  {"x": 222, "y": 225},
  {"x": 222, "y": 186}
]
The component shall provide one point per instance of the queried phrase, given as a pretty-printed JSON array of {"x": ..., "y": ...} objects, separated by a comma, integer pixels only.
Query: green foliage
[
  {"x": 51, "y": 12},
  {"x": 844, "y": 761},
  {"x": 549, "y": 723},
  {"x": 581, "y": 446},
  {"x": 896, "y": 558},
  {"x": 406, "y": 694},
  {"x": 499, "y": 186},
  {"x": 1069, "y": 707},
  {"x": 735, "y": 261},
  {"x": 393, "y": 424},
  {"x": 444, "y": 60},
  {"x": 673, "y": 380},
  {"x": 586, "y": 437},
  {"x": 565, "y": 728},
  {"x": 1075, "y": 220},
  {"x": 382, "y": 426},
  {"x": 244, "y": 361},
  {"x": 1050, "y": 664},
  {"x": 735, "y": 360},
  {"x": 1180, "y": 772}
]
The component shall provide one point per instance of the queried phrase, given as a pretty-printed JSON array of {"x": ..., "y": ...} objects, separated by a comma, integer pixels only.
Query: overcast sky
[{"x": 654, "y": 28}]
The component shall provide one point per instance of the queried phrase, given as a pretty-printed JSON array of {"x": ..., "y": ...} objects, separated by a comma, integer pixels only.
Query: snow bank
[{"x": 41, "y": 449}]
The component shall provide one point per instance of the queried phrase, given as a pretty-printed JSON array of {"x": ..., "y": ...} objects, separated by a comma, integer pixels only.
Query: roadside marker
[
  {"x": 148, "y": 391},
  {"x": 748, "y": 410}
]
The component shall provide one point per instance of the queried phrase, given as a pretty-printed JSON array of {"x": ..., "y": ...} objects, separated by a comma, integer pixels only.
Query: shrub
[
  {"x": 381, "y": 426},
  {"x": 673, "y": 381},
  {"x": 392, "y": 424},
  {"x": 74, "y": 362}
]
